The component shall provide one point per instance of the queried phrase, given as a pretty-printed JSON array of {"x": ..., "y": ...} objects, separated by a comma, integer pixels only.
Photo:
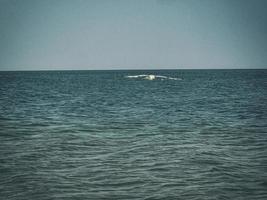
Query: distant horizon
[
  {"x": 116, "y": 35},
  {"x": 130, "y": 69}
]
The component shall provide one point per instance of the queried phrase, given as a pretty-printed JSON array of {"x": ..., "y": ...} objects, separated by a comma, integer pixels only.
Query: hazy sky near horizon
[{"x": 132, "y": 34}]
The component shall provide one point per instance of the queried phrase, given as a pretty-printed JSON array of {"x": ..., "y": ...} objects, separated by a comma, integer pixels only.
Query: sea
[{"x": 182, "y": 134}]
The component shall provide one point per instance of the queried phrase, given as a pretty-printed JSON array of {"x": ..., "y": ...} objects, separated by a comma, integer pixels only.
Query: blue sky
[{"x": 132, "y": 34}]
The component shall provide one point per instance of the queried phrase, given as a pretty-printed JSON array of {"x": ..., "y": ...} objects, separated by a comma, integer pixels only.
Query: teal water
[{"x": 101, "y": 135}]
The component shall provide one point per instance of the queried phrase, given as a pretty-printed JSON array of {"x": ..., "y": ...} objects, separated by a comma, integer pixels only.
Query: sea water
[{"x": 197, "y": 134}]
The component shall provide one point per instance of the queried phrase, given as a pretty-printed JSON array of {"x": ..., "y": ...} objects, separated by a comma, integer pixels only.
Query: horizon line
[{"x": 129, "y": 69}]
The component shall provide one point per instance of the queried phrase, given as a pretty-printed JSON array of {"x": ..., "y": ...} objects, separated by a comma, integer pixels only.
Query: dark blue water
[{"x": 100, "y": 135}]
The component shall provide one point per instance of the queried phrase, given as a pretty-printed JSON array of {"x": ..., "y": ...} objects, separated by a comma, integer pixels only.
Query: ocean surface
[{"x": 187, "y": 134}]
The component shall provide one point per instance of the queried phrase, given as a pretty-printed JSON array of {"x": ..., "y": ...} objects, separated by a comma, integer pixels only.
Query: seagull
[{"x": 152, "y": 77}]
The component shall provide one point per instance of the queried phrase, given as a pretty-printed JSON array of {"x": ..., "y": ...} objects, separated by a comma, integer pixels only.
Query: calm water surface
[{"x": 100, "y": 135}]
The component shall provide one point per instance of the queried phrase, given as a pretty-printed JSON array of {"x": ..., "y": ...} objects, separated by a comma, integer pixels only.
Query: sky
[{"x": 132, "y": 34}]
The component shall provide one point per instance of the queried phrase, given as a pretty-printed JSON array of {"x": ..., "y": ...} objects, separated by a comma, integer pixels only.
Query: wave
[{"x": 152, "y": 77}]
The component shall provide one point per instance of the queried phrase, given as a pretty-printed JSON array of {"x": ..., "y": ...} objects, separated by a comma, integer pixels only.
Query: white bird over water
[{"x": 152, "y": 77}]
